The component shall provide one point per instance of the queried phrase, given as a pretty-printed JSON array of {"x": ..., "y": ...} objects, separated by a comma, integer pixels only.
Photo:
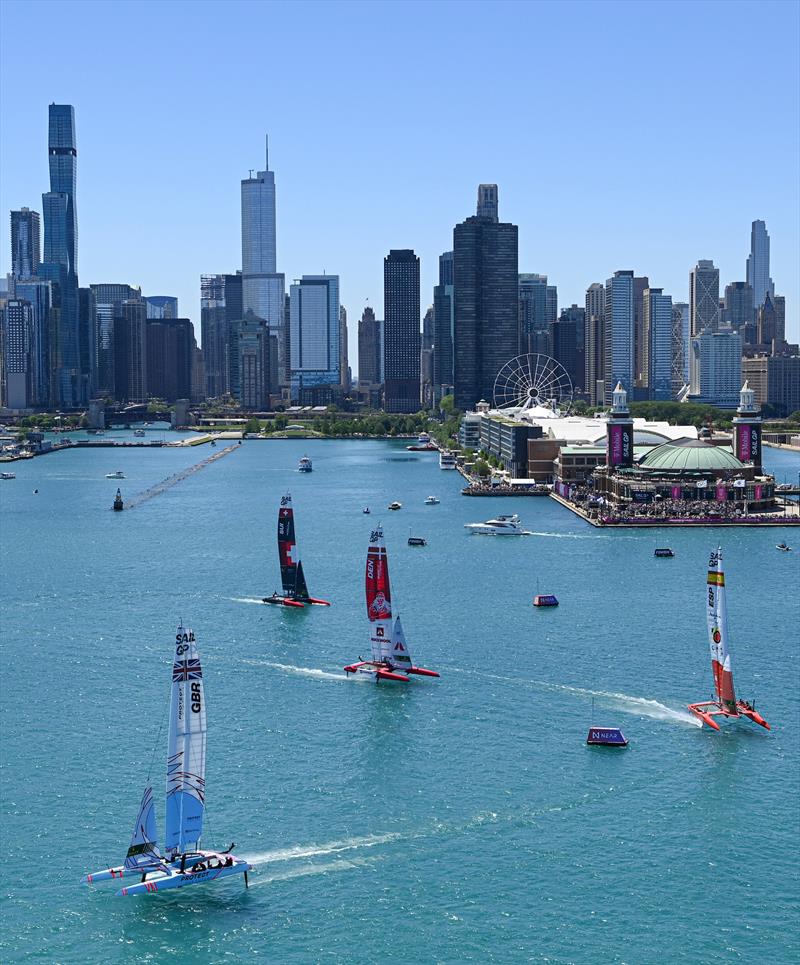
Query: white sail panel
[
  {"x": 186, "y": 753},
  {"x": 400, "y": 657},
  {"x": 717, "y": 619},
  {"x": 143, "y": 852}
]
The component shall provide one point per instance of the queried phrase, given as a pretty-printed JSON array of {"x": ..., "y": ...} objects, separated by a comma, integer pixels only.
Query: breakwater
[{"x": 173, "y": 480}]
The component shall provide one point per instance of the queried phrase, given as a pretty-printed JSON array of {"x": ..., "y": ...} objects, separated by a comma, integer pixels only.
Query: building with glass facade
[
  {"x": 594, "y": 355},
  {"x": 657, "y": 329},
  {"x": 314, "y": 333},
  {"x": 618, "y": 324},
  {"x": 25, "y": 243},
  {"x": 758, "y": 264},
  {"x": 443, "y": 324},
  {"x": 161, "y": 306},
  {"x": 704, "y": 297},
  {"x": 716, "y": 368}
]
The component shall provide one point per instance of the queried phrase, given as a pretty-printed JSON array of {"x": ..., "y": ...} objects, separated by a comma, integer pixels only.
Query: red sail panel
[
  {"x": 379, "y": 597},
  {"x": 717, "y": 619}
]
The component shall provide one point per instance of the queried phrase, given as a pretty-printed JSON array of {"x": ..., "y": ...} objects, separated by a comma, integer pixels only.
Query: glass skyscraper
[
  {"x": 262, "y": 285},
  {"x": 618, "y": 324},
  {"x": 25, "y": 248},
  {"x": 401, "y": 317},
  {"x": 314, "y": 324},
  {"x": 758, "y": 264}
]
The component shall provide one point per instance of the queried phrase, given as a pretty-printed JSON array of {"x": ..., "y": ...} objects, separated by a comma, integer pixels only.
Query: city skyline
[{"x": 334, "y": 211}]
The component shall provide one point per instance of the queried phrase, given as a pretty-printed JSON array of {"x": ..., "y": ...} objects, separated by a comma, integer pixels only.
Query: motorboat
[
  {"x": 395, "y": 505},
  {"x": 446, "y": 459},
  {"x": 423, "y": 444},
  {"x": 119, "y": 474},
  {"x": 431, "y": 501},
  {"x": 504, "y": 525},
  {"x": 8, "y": 475},
  {"x": 779, "y": 546},
  {"x": 139, "y": 432},
  {"x": 305, "y": 465}
]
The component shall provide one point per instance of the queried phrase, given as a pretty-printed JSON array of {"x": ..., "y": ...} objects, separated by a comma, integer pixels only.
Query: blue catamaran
[{"x": 182, "y": 862}]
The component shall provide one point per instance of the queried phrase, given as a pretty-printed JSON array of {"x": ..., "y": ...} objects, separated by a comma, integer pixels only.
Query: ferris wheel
[{"x": 533, "y": 380}]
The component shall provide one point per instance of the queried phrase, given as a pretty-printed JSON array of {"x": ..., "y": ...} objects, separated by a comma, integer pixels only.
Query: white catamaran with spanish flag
[
  {"x": 181, "y": 863},
  {"x": 725, "y": 704},
  {"x": 390, "y": 657},
  {"x": 293, "y": 581}
]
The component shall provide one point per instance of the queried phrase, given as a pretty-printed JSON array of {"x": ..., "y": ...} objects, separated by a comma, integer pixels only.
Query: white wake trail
[
  {"x": 246, "y": 599},
  {"x": 315, "y": 850},
  {"x": 634, "y": 705},
  {"x": 314, "y": 672},
  {"x": 344, "y": 864}
]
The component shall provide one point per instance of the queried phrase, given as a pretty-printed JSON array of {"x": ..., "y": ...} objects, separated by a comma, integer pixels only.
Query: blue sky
[{"x": 622, "y": 135}]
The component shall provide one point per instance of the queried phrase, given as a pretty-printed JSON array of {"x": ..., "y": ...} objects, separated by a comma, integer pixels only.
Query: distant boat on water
[{"x": 305, "y": 465}]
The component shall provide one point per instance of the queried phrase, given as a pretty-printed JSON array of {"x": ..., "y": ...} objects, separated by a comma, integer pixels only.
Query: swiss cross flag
[{"x": 290, "y": 557}]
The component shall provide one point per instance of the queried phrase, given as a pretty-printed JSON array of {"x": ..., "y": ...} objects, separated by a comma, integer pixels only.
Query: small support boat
[
  {"x": 431, "y": 501},
  {"x": 664, "y": 551},
  {"x": 725, "y": 703},
  {"x": 606, "y": 737},
  {"x": 390, "y": 657},
  {"x": 545, "y": 599},
  {"x": 417, "y": 541},
  {"x": 365, "y": 510},
  {"x": 395, "y": 505},
  {"x": 119, "y": 474},
  {"x": 8, "y": 475},
  {"x": 118, "y": 504},
  {"x": 783, "y": 548},
  {"x": 295, "y": 591},
  {"x": 182, "y": 863},
  {"x": 305, "y": 465}
]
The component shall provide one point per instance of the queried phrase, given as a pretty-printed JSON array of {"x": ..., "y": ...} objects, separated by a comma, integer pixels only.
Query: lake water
[{"x": 453, "y": 820}]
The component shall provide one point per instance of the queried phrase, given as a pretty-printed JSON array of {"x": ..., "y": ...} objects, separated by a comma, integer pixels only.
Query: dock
[{"x": 171, "y": 481}]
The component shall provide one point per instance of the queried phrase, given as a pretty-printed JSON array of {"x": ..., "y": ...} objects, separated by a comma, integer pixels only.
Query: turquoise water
[{"x": 458, "y": 820}]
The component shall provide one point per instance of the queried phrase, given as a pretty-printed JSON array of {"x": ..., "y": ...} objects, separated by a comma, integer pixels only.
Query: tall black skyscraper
[
  {"x": 401, "y": 331},
  {"x": 485, "y": 321},
  {"x": 443, "y": 309},
  {"x": 25, "y": 248},
  {"x": 60, "y": 263},
  {"x": 369, "y": 348}
]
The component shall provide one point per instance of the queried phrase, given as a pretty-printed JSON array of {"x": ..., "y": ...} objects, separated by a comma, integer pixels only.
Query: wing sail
[
  {"x": 717, "y": 618},
  {"x": 143, "y": 852},
  {"x": 287, "y": 552},
  {"x": 401, "y": 658},
  {"x": 379, "y": 597},
  {"x": 186, "y": 755}
]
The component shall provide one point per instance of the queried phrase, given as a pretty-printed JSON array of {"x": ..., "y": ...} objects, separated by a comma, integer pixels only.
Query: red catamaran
[
  {"x": 295, "y": 591},
  {"x": 725, "y": 704},
  {"x": 390, "y": 657}
]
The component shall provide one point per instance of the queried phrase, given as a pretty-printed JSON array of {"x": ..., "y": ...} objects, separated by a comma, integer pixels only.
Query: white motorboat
[
  {"x": 119, "y": 474},
  {"x": 305, "y": 465},
  {"x": 8, "y": 475},
  {"x": 395, "y": 505},
  {"x": 446, "y": 459},
  {"x": 499, "y": 526},
  {"x": 431, "y": 501}
]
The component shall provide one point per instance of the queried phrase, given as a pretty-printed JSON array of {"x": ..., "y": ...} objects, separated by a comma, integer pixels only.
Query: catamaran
[
  {"x": 725, "y": 704},
  {"x": 390, "y": 657},
  {"x": 295, "y": 591},
  {"x": 182, "y": 863}
]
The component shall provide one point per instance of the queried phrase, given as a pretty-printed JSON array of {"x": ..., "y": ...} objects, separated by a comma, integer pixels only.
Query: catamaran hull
[
  {"x": 383, "y": 673},
  {"x": 176, "y": 879},
  {"x": 283, "y": 601},
  {"x": 706, "y": 716}
]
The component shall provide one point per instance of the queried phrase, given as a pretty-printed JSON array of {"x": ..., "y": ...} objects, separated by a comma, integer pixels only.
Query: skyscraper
[
  {"x": 314, "y": 322},
  {"x": 344, "y": 366},
  {"x": 38, "y": 292},
  {"x": 214, "y": 335},
  {"x": 758, "y": 264},
  {"x": 487, "y": 202},
  {"x": 739, "y": 306},
  {"x": 563, "y": 345},
  {"x": 18, "y": 346},
  {"x": 716, "y": 368},
  {"x": 535, "y": 309},
  {"x": 577, "y": 316},
  {"x": 369, "y": 349},
  {"x": 657, "y": 324},
  {"x": 262, "y": 286},
  {"x": 162, "y": 306},
  {"x": 130, "y": 352},
  {"x": 170, "y": 358},
  {"x": 618, "y": 319},
  {"x": 680, "y": 347},
  {"x": 767, "y": 323},
  {"x": 401, "y": 315},
  {"x": 641, "y": 338},
  {"x": 254, "y": 362},
  {"x": 704, "y": 297},
  {"x": 594, "y": 353},
  {"x": 25, "y": 248},
  {"x": 60, "y": 263},
  {"x": 443, "y": 321}
]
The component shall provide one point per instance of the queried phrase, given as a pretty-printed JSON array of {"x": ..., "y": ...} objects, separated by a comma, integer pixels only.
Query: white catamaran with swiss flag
[
  {"x": 725, "y": 703},
  {"x": 390, "y": 657}
]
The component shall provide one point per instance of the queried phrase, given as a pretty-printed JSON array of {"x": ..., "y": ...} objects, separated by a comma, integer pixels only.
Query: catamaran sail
[
  {"x": 717, "y": 619},
  {"x": 293, "y": 581},
  {"x": 186, "y": 756},
  {"x": 725, "y": 704},
  {"x": 390, "y": 657},
  {"x": 379, "y": 597},
  {"x": 143, "y": 852},
  {"x": 184, "y": 864}
]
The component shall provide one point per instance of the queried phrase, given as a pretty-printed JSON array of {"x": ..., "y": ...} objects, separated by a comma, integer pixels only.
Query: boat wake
[
  {"x": 562, "y": 535},
  {"x": 318, "y": 850},
  {"x": 343, "y": 864},
  {"x": 246, "y": 599},
  {"x": 300, "y": 671}
]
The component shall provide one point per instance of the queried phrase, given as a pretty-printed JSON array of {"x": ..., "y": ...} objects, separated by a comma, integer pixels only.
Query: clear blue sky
[{"x": 622, "y": 135}]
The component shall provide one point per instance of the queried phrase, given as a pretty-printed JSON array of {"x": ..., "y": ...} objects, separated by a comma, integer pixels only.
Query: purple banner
[
  {"x": 722, "y": 494},
  {"x": 759, "y": 490},
  {"x": 676, "y": 492},
  {"x": 615, "y": 445},
  {"x": 743, "y": 438}
]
